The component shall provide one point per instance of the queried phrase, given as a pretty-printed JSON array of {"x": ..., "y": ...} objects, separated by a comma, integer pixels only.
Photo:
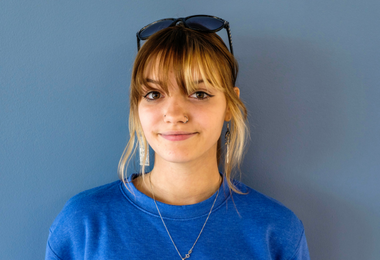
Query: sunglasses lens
[
  {"x": 203, "y": 23},
  {"x": 150, "y": 30}
]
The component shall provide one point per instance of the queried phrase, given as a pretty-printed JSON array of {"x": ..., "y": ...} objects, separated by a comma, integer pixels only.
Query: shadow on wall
[{"x": 296, "y": 96}]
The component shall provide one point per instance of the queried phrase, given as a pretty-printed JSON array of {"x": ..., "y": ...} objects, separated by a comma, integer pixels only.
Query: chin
[{"x": 177, "y": 157}]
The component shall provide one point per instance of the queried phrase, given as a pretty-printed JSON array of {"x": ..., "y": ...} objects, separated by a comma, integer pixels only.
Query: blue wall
[{"x": 309, "y": 76}]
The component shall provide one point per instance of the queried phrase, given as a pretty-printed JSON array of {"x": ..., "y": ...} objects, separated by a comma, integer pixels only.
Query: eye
[
  {"x": 153, "y": 95},
  {"x": 200, "y": 95}
]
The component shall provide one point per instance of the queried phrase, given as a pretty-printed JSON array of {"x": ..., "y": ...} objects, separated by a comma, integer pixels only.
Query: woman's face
[{"x": 163, "y": 118}]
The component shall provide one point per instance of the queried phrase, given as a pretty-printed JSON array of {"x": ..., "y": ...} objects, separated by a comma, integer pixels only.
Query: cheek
[
  {"x": 211, "y": 120},
  {"x": 148, "y": 117}
]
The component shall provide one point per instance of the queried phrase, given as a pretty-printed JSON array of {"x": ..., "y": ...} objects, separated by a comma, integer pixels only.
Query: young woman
[{"x": 189, "y": 205}]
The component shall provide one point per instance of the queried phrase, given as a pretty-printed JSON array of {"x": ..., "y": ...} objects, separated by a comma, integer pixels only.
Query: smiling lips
[{"x": 177, "y": 136}]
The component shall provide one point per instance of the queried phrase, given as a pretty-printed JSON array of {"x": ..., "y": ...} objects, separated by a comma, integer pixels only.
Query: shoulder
[
  {"x": 82, "y": 214},
  {"x": 266, "y": 217},
  {"x": 85, "y": 204},
  {"x": 97, "y": 194},
  {"x": 262, "y": 206}
]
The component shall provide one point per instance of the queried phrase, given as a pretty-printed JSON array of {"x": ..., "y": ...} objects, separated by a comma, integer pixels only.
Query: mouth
[{"x": 177, "y": 136}]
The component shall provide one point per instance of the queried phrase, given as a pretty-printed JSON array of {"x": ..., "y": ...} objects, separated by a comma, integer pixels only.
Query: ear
[
  {"x": 237, "y": 91},
  {"x": 228, "y": 113}
]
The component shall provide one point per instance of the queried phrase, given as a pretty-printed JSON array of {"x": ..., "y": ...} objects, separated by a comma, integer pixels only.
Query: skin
[{"x": 185, "y": 170}]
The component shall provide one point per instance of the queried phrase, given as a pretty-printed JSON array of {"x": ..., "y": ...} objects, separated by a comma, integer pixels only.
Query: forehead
[
  {"x": 186, "y": 73},
  {"x": 158, "y": 66}
]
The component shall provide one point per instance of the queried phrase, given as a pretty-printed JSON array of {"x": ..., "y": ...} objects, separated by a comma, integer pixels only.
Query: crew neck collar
[{"x": 146, "y": 203}]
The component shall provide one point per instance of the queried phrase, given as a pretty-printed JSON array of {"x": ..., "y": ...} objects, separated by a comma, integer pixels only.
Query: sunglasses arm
[
  {"x": 138, "y": 42},
  {"x": 229, "y": 38}
]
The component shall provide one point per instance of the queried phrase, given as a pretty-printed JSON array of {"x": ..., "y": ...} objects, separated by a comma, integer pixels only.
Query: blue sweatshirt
[{"x": 111, "y": 222}]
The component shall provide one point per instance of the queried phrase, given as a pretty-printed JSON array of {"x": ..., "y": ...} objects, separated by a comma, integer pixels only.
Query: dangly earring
[
  {"x": 227, "y": 136},
  {"x": 142, "y": 153}
]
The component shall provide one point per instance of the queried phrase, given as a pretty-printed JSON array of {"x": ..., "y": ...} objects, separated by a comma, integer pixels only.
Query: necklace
[{"x": 163, "y": 222}]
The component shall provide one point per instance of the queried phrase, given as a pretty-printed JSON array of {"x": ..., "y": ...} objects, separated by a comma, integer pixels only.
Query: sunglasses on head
[{"x": 202, "y": 23}]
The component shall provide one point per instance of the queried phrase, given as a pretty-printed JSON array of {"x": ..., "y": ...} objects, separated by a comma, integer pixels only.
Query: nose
[{"x": 176, "y": 111}]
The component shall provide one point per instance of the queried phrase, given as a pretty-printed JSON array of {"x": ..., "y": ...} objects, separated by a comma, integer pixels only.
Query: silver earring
[
  {"x": 227, "y": 136},
  {"x": 142, "y": 153}
]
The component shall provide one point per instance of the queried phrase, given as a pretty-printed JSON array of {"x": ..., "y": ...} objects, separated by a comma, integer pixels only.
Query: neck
[{"x": 180, "y": 184}]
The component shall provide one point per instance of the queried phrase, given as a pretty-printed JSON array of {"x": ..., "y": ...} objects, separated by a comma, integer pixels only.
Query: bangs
[{"x": 193, "y": 58}]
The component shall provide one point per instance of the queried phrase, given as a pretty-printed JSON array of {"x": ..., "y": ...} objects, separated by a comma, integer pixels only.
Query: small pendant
[{"x": 187, "y": 255}]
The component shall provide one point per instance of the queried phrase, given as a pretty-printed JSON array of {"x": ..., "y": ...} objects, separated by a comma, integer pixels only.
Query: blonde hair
[{"x": 192, "y": 55}]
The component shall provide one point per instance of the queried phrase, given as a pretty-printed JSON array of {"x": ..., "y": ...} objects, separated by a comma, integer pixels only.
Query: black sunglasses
[{"x": 203, "y": 23}]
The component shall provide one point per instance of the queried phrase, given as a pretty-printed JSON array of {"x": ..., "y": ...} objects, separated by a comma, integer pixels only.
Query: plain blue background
[{"x": 309, "y": 77}]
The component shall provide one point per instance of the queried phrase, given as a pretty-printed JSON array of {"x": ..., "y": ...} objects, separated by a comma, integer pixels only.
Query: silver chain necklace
[{"x": 163, "y": 222}]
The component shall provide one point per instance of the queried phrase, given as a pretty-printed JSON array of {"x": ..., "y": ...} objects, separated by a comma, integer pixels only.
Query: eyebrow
[
  {"x": 153, "y": 81},
  {"x": 199, "y": 81}
]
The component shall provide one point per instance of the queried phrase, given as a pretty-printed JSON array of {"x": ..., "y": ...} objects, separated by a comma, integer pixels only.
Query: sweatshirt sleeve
[
  {"x": 302, "y": 252},
  {"x": 50, "y": 255}
]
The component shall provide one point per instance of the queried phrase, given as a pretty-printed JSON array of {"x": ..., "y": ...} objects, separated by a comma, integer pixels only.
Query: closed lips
[
  {"x": 177, "y": 136},
  {"x": 177, "y": 133}
]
